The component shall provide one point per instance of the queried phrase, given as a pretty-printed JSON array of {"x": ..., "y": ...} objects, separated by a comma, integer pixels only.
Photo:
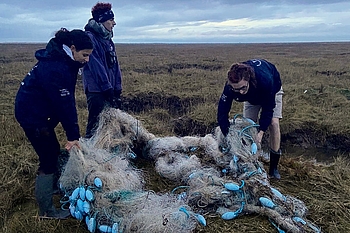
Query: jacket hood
[
  {"x": 98, "y": 29},
  {"x": 54, "y": 51}
]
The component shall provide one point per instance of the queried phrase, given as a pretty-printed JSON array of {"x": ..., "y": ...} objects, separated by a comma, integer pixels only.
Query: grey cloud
[
  {"x": 210, "y": 3},
  {"x": 136, "y": 17},
  {"x": 174, "y": 30},
  {"x": 47, "y": 5}
]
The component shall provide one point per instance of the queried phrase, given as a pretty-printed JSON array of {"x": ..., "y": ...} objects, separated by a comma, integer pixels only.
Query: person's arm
[
  {"x": 267, "y": 92},
  {"x": 224, "y": 108},
  {"x": 118, "y": 74},
  {"x": 269, "y": 88},
  {"x": 117, "y": 100}
]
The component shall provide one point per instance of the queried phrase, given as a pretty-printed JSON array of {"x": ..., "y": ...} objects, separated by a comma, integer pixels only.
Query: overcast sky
[{"x": 184, "y": 21}]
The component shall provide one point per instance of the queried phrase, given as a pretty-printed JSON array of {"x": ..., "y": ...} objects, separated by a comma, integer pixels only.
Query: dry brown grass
[{"x": 174, "y": 89}]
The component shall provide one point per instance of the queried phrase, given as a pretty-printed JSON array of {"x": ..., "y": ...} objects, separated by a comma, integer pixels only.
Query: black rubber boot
[
  {"x": 43, "y": 195},
  {"x": 274, "y": 159}
]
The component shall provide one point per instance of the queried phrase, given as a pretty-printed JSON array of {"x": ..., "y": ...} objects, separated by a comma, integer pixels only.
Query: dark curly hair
[{"x": 100, "y": 8}]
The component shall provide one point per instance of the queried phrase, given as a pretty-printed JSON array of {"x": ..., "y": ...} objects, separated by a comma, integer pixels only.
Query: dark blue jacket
[
  {"x": 47, "y": 93},
  {"x": 268, "y": 84},
  {"x": 98, "y": 76}
]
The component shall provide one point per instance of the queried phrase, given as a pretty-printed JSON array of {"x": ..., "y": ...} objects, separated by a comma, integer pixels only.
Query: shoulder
[
  {"x": 261, "y": 66},
  {"x": 55, "y": 66},
  {"x": 258, "y": 63},
  {"x": 92, "y": 36}
]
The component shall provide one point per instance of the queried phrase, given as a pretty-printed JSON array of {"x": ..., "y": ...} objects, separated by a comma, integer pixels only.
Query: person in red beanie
[{"x": 102, "y": 77}]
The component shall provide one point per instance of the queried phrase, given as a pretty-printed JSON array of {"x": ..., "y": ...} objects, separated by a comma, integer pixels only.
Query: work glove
[
  {"x": 117, "y": 100},
  {"x": 108, "y": 95}
]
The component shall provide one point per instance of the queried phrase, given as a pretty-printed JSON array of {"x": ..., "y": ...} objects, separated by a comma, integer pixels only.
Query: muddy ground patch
[{"x": 308, "y": 135}]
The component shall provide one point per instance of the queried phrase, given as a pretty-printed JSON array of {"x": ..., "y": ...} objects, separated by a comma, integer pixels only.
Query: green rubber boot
[{"x": 43, "y": 195}]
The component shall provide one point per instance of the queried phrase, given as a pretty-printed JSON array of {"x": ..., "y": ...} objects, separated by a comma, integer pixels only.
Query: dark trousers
[
  {"x": 96, "y": 103},
  {"x": 46, "y": 145}
]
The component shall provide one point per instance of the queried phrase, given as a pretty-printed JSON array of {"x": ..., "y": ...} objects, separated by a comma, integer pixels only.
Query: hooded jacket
[
  {"x": 268, "y": 84},
  {"x": 101, "y": 73},
  {"x": 47, "y": 93}
]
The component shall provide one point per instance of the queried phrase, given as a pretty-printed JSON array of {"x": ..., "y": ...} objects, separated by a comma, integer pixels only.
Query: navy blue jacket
[
  {"x": 268, "y": 84},
  {"x": 48, "y": 92},
  {"x": 98, "y": 76}
]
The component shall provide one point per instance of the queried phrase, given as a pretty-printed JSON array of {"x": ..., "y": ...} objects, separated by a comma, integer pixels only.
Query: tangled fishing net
[{"x": 218, "y": 174}]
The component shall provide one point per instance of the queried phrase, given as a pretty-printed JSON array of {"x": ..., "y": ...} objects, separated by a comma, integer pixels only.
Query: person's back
[{"x": 49, "y": 87}]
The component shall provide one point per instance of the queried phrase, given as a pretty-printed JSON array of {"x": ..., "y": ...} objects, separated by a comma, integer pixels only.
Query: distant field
[{"x": 174, "y": 90}]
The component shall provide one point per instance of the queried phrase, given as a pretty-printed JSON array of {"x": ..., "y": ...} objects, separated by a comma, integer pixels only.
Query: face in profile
[
  {"x": 109, "y": 24},
  {"x": 81, "y": 56}
]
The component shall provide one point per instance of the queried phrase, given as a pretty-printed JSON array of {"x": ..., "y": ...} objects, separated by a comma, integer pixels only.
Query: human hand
[
  {"x": 108, "y": 95},
  {"x": 69, "y": 145},
  {"x": 117, "y": 101}
]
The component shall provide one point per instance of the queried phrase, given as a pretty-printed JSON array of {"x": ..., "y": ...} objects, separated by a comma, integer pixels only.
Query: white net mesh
[{"x": 216, "y": 174}]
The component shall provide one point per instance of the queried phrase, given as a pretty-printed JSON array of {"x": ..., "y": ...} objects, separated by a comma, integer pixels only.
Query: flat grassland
[{"x": 174, "y": 90}]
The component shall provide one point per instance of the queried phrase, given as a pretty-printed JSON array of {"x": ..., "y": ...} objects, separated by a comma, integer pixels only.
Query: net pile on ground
[
  {"x": 217, "y": 175},
  {"x": 104, "y": 190},
  {"x": 225, "y": 175}
]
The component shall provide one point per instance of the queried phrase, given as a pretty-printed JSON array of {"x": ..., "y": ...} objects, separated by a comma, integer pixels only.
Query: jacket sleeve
[
  {"x": 118, "y": 85},
  {"x": 59, "y": 86},
  {"x": 269, "y": 90},
  {"x": 118, "y": 73},
  {"x": 224, "y": 108}
]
